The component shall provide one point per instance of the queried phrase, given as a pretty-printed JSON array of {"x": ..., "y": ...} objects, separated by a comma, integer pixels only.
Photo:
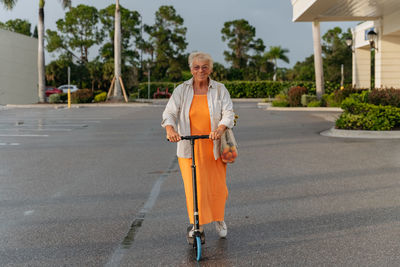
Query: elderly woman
[{"x": 201, "y": 106}]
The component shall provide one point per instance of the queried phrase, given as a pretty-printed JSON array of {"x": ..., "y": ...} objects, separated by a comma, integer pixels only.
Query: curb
[
  {"x": 304, "y": 109},
  {"x": 361, "y": 134},
  {"x": 268, "y": 106},
  {"x": 65, "y": 106}
]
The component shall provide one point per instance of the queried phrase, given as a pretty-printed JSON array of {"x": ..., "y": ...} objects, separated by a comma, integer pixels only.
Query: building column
[
  {"x": 319, "y": 72},
  {"x": 362, "y": 67}
]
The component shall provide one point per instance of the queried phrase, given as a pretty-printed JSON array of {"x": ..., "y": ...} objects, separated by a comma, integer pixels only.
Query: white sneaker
[{"x": 222, "y": 229}]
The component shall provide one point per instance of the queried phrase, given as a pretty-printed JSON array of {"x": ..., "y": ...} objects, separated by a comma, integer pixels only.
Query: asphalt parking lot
[{"x": 101, "y": 187}]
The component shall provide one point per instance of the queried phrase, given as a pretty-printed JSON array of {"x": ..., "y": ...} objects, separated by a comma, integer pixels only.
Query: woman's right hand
[{"x": 172, "y": 135}]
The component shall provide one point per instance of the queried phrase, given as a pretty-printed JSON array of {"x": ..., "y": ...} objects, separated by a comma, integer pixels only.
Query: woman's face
[{"x": 200, "y": 70}]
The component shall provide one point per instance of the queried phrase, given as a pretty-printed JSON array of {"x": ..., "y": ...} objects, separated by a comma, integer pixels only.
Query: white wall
[
  {"x": 387, "y": 62},
  {"x": 18, "y": 68}
]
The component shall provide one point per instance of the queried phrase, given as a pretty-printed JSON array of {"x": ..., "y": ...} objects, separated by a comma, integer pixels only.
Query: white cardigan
[{"x": 176, "y": 113}]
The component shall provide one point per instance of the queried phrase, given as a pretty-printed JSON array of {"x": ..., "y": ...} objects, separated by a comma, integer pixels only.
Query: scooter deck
[{"x": 190, "y": 240}]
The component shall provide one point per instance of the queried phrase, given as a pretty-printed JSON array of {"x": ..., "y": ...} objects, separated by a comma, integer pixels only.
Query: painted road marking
[
  {"x": 123, "y": 248},
  {"x": 24, "y": 135},
  {"x": 28, "y": 212},
  {"x": 9, "y": 144},
  {"x": 37, "y": 130}
]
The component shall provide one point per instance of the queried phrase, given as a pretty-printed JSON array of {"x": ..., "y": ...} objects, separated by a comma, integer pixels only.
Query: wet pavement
[{"x": 101, "y": 187}]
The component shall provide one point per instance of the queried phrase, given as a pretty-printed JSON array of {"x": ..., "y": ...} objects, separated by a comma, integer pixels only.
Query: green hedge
[
  {"x": 82, "y": 96},
  {"x": 243, "y": 89},
  {"x": 364, "y": 116}
]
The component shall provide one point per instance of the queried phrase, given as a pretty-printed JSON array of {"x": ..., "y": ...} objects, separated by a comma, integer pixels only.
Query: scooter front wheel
[{"x": 197, "y": 248}]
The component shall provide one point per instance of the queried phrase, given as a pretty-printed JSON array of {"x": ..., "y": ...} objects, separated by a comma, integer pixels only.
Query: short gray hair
[{"x": 200, "y": 56}]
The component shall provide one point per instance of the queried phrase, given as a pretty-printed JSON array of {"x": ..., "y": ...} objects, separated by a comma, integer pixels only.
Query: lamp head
[
  {"x": 349, "y": 41},
  {"x": 372, "y": 37}
]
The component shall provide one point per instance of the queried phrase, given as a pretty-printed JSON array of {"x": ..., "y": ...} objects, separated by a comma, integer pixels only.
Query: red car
[{"x": 52, "y": 90}]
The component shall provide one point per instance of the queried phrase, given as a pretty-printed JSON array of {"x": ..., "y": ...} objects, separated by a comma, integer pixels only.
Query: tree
[
  {"x": 95, "y": 70},
  {"x": 8, "y": 4},
  {"x": 77, "y": 31},
  {"x": 17, "y": 25},
  {"x": 41, "y": 61},
  {"x": 117, "y": 52},
  {"x": 219, "y": 73},
  {"x": 258, "y": 68},
  {"x": 130, "y": 34},
  {"x": 240, "y": 36},
  {"x": 275, "y": 53},
  {"x": 336, "y": 53},
  {"x": 168, "y": 37},
  {"x": 303, "y": 71},
  {"x": 122, "y": 26}
]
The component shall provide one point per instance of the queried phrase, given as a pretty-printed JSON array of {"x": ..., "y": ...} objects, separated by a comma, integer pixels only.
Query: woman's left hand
[{"x": 215, "y": 135}]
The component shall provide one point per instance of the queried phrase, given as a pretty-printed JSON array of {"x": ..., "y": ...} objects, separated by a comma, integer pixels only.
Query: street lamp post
[
  {"x": 349, "y": 43},
  {"x": 372, "y": 36},
  {"x": 148, "y": 80}
]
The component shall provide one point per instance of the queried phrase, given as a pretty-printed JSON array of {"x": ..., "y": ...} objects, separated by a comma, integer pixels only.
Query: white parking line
[
  {"x": 29, "y": 212},
  {"x": 9, "y": 144},
  {"x": 24, "y": 135},
  {"x": 36, "y": 130}
]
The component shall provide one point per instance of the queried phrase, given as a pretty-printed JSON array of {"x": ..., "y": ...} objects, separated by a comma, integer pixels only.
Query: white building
[
  {"x": 381, "y": 16},
  {"x": 18, "y": 68}
]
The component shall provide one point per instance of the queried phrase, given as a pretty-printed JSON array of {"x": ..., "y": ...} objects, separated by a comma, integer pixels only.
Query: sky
[{"x": 204, "y": 20}]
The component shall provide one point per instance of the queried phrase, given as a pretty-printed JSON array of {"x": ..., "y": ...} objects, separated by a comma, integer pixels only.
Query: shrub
[
  {"x": 340, "y": 95},
  {"x": 82, "y": 96},
  {"x": 305, "y": 99},
  {"x": 360, "y": 97},
  {"x": 330, "y": 100},
  {"x": 64, "y": 97},
  {"x": 364, "y": 116},
  {"x": 280, "y": 101},
  {"x": 385, "y": 97},
  {"x": 294, "y": 95},
  {"x": 100, "y": 97},
  {"x": 55, "y": 98},
  {"x": 133, "y": 97},
  {"x": 365, "y": 122},
  {"x": 314, "y": 104}
]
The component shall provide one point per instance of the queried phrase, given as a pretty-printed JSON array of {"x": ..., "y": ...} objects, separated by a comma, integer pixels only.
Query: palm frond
[
  {"x": 8, "y": 4},
  {"x": 66, "y": 3}
]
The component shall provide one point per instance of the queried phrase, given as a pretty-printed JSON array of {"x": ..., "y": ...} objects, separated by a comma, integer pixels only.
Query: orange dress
[{"x": 212, "y": 192}]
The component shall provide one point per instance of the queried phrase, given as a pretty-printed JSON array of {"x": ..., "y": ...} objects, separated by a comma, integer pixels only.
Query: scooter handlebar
[{"x": 192, "y": 137}]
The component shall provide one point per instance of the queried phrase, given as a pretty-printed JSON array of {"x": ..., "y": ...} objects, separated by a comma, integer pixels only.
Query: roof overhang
[{"x": 342, "y": 10}]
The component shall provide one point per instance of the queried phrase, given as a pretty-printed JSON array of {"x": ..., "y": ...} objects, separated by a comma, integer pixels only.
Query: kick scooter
[{"x": 197, "y": 233}]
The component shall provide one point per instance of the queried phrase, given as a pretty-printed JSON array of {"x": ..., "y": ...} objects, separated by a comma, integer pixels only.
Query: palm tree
[
  {"x": 41, "y": 61},
  {"x": 9, "y": 4},
  {"x": 275, "y": 53},
  {"x": 117, "y": 52}
]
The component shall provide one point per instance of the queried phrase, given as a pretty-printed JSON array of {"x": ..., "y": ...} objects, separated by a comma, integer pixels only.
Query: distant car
[
  {"x": 65, "y": 87},
  {"x": 52, "y": 90}
]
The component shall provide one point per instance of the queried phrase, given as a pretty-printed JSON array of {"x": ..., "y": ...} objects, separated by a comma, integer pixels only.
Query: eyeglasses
[{"x": 203, "y": 68}]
